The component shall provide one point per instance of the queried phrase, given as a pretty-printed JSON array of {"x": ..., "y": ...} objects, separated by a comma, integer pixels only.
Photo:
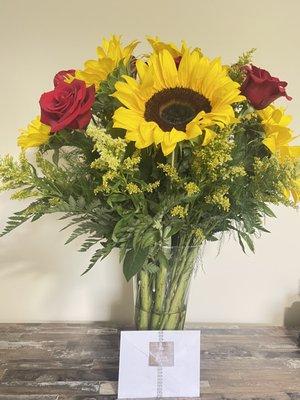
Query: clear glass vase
[{"x": 161, "y": 297}]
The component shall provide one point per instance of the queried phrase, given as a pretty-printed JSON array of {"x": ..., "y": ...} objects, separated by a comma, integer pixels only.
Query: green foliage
[{"x": 105, "y": 105}]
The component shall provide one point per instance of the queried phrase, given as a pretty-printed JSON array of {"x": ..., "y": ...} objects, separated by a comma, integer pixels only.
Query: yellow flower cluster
[
  {"x": 54, "y": 201},
  {"x": 14, "y": 174},
  {"x": 209, "y": 159},
  {"x": 150, "y": 187},
  {"x": 219, "y": 198},
  {"x": 179, "y": 212},
  {"x": 191, "y": 188},
  {"x": 111, "y": 150},
  {"x": 199, "y": 235},
  {"x": 232, "y": 172},
  {"x": 24, "y": 194},
  {"x": 131, "y": 163},
  {"x": 170, "y": 171},
  {"x": 132, "y": 188},
  {"x": 106, "y": 180}
]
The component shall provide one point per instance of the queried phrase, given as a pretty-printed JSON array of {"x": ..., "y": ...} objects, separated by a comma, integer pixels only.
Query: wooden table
[{"x": 66, "y": 361}]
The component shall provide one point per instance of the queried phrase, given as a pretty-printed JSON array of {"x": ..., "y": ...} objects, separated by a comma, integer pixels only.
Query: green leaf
[
  {"x": 88, "y": 243},
  {"x": 72, "y": 202},
  {"x": 14, "y": 221},
  {"x": 248, "y": 240},
  {"x": 134, "y": 261},
  {"x": 267, "y": 210},
  {"x": 151, "y": 268},
  {"x": 241, "y": 243},
  {"x": 99, "y": 254},
  {"x": 55, "y": 156}
]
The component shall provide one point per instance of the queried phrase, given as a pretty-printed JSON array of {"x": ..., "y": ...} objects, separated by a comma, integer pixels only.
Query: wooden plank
[
  {"x": 29, "y": 397},
  {"x": 46, "y": 387}
]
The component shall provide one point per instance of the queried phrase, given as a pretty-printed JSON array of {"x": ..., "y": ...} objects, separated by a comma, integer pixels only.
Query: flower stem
[
  {"x": 160, "y": 292},
  {"x": 145, "y": 301}
]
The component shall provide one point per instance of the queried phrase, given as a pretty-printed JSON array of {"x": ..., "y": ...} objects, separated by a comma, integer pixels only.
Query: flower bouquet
[{"x": 154, "y": 155}]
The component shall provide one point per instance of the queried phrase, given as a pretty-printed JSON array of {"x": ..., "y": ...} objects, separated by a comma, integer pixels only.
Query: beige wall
[{"x": 39, "y": 277}]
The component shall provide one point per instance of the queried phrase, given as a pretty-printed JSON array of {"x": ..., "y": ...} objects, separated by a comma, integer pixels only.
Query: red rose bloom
[
  {"x": 67, "y": 106},
  {"x": 62, "y": 75},
  {"x": 261, "y": 89}
]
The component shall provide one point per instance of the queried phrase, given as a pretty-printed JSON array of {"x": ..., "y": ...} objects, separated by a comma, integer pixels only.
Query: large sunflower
[
  {"x": 167, "y": 104},
  {"x": 109, "y": 55}
]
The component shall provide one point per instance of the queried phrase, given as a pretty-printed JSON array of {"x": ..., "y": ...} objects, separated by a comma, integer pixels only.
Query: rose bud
[
  {"x": 260, "y": 88},
  {"x": 62, "y": 75},
  {"x": 67, "y": 106}
]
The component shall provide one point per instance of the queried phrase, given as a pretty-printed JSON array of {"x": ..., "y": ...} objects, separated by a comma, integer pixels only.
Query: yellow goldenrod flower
[
  {"x": 109, "y": 56},
  {"x": 232, "y": 172},
  {"x": 111, "y": 150},
  {"x": 219, "y": 198},
  {"x": 170, "y": 171},
  {"x": 131, "y": 163},
  {"x": 152, "y": 186},
  {"x": 166, "y": 105},
  {"x": 179, "y": 211},
  {"x": 278, "y": 134},
  {"x": 106, "y": 180},
  {"x": 199, "y": 235},
  {"x": 132, "y": 188},
  {"x": 34, "y": 135},
  {"x": 14, "y": 174},
  {"x": 191, "y": 188}
]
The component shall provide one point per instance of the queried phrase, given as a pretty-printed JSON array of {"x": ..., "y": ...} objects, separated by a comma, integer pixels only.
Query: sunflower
[
  {"x": 278, "y": 134},
  {"x": 167, "y": 104},
  {"x": 34, "y": 135},
  {"x": 109, "y": 55},
  {"x": 157, "y": 45}
]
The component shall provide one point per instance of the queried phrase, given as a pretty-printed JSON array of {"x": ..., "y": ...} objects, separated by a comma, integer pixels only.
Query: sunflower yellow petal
[
  {"x": 34, "y": 135},
  {"x": 209, "y": 136},
  {"x": 167, "y": 149},
  {"x": 126, "y": 119},
  {"x": 270, "y": 142},
  {"x": 169, "y": 70},
  {"x": 158, "y": 135}
]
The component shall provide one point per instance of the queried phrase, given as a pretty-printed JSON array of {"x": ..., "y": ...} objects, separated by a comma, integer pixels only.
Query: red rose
[
  {"x": 261, "y": 89},
  {"x": 67, "y": 106},
  {"x": 62, "y": 75}
]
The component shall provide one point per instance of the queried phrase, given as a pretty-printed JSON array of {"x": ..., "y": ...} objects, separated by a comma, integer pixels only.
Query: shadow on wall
[
  {"x": 122, "y": 308},
  {"x": 48, "y": 291}
]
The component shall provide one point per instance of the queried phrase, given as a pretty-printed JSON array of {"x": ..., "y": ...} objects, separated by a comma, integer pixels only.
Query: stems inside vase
[{"x": 161, "y": 297}]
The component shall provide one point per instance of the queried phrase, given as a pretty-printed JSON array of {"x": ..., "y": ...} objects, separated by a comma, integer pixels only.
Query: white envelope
[{"x": 159, "y": 364}]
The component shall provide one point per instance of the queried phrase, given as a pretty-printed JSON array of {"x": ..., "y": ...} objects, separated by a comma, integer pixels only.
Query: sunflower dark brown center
[{"x": 175, "y": 108}]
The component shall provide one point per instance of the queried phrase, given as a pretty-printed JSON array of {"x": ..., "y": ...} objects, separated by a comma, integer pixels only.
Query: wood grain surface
[{"x": 64, "y": 361}]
